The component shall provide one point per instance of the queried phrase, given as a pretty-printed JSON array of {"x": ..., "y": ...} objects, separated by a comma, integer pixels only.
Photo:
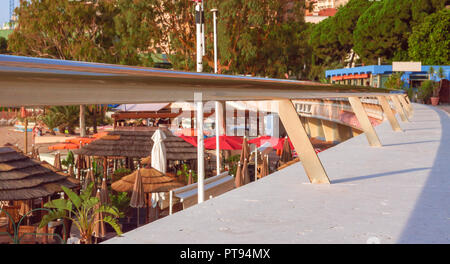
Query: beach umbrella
[
  {"x": 190, "y": 180},
  {"x": 225, "y": 142},
  {"x": 245, "y": 152},
  {"x": 90, "y": 178},
  {"x": 286, "y": 153},
  {"x": 159, "y": 151},
  {"x": 104, "y": 192},
  {"x": 99, "y": 226},
  {"x": 57, "y": 162},
  {"x": 138, "y": 195},
  {"x": 80, "y": 164},
  {"x": 87, "y": 161},
  {"x": 153, "y": 181},
  {"x": 238, "y": 176},
  {"x": 265, "y": 166},
  {"x": 25, "y": 208},
  {"x": 34, "y": 152},
  {"x": 190, "y": 139},
  {"x": 71, "y": 173},
  {"x": 280, "y": 144},
  {"x": 263, "y": 139},
  {"x": 245, "y": 174}
]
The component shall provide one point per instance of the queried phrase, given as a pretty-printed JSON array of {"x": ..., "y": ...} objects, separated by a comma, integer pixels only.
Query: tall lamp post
[
  {"x": 199, "y": 22},
  {"x": 215, "y": 37},
  {"x": 200, "y": 26},
  {"x": 217, "y": 102}
]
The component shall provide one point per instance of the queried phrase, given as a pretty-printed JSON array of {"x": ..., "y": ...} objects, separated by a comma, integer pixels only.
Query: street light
[
  {"x": 215, "y": 37},
  {"x": 200, "y": 26}
]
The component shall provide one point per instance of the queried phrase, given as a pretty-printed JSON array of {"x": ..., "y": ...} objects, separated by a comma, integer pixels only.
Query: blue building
[{"x": 377, "y": 75}]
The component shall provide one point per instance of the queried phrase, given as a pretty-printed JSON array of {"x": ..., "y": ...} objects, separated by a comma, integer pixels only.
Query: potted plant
[
  {"x": 81, "y": 210},
  {"x": 435, "y": 98},
  {"x": 425, "y": 91},
  {"x": 183, "y": 173}
]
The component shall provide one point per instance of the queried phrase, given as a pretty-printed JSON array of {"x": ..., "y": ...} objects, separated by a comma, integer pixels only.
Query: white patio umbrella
[
  {"x": 159, "y": 161},
  {"x": 159, "y": 151}
]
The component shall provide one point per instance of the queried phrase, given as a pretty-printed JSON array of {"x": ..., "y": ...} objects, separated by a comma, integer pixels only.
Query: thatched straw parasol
[
  {"x": 22, "y": 178},
  {"x": 147, "y": 161},
  {"x": 152, "y": 181},
  {"x": 138, "y": 144}
]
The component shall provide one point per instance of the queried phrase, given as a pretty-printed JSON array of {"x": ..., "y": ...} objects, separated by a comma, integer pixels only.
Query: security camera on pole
[{"x": 200, "y": 27}]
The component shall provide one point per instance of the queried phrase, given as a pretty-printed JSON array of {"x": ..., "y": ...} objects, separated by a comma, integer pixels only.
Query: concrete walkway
[{"x": 399, "y": 193}]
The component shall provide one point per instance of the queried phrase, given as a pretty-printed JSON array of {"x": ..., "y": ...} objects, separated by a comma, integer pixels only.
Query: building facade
[{"x": 377, "y": 75}]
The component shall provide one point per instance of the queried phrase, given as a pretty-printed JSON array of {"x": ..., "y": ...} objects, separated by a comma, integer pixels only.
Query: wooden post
[
  {"x": 296, "y": 132},
  {"x": 364, "y": 121},
  {"x": 389, "y": 114},
  {"x": 399, "y": 109}
]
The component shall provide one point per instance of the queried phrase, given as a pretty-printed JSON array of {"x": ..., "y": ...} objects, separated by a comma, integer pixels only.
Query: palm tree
[
  {"x": 69, "y": 115},
  {"x": 430, "y": 72},
  {"x": 95, "y": 115},
  {"x": 51, "y": 120},
  {"x": 441, "y": 75},
  {"x": 82, "y": 211}
]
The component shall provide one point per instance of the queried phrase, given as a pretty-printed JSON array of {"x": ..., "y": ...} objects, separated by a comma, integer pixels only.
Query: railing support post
[
  {"x": 389, "y": 114},
  {"x": 364, "y": 121},
  {"x": 296, "y": 132},
  {"x": 406, "y": 106},
  {"x": 398, "y": 108}
]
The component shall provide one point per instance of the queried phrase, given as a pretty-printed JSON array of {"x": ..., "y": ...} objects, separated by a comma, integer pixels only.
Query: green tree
[
  {"x": 136, "y": 35},
  {"x": 82, "y": 210},
  {"x": 64, "y": 30},
  {"x": 429, "y": 41},
  {"x": 394, "y": 81},
  {"x": 254, "y": 37},
  {"x": 332, "y": 39},
  {"x": 384, "y": 28}
]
